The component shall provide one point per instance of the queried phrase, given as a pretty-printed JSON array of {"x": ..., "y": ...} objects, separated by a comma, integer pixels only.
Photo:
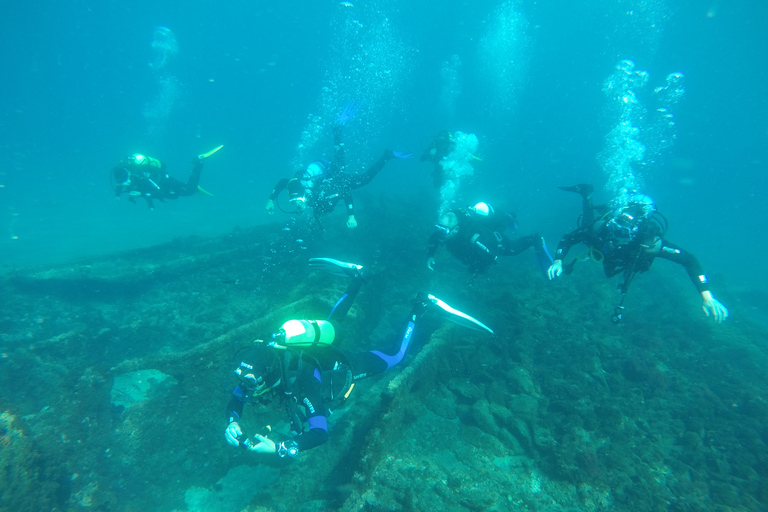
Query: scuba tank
[{"x": 306, "y": 332}]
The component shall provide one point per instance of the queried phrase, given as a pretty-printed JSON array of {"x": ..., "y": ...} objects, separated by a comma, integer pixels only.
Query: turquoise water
[{"x": 561, "y": 410}]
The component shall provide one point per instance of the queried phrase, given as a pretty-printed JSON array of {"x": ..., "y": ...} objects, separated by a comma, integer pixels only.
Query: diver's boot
[
  {"x": 583, "y": 189},
  {"x": 336, "y": 267}
]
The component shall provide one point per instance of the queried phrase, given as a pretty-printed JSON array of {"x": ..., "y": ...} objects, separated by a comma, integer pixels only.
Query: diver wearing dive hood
[
  {"x": 145, "y": 177},
  {"x": 627, "y": 237},
  {"x": 476, "y": 237},
  {"x": 301, "y": 367},
  {"x": 323, "y": 184}
]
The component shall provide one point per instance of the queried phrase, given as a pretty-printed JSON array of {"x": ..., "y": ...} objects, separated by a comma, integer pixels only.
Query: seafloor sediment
[{"x": 560, "y": 410}]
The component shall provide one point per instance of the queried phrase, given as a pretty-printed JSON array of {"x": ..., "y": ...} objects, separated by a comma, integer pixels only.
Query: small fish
[
  {"x": 346, "y": 4},
  {"x": 300, "y": 240},
  {"x": 286, "y": 229}
]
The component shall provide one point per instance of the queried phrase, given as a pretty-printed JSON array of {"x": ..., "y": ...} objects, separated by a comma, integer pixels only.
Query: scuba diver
[
  {"x": 143, "y": 176},
  {"x": 627, "y": 237},
  {"x": 476, "y": 237},
  {"x": 323, "y": 184},
  {"x": 442, "y": 146},
  {"x": 301, "y": 367}
]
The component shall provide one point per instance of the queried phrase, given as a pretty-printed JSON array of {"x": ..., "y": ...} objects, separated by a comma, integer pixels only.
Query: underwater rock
[
  {"x": 483, "y": 418},
  {"x": 232, "y": 492},
  {"x": 441, "y": 402},
  {"x": 523, "y": 406},
  {"x": 465, "y": 391},
  {"x": 520, "y": 377},
  {"x": 134, "y": 387}
]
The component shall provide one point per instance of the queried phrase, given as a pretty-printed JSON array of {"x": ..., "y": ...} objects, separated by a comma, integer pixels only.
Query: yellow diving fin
[
  {"x": 201, "y": 190},
  {"x": 206, "y": 155}
]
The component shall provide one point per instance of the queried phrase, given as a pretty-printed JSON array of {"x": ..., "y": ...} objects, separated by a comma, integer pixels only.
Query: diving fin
[
  {"x": 583, "y": 189},
  {"x": 206, "y": 155},
  {"x": 336, "y": 267},
  {"x": 201, "y": 190},
  {"x": 456, "y": 316}
]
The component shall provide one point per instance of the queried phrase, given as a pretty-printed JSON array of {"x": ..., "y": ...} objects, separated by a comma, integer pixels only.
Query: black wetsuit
[
  {"x": 634, "y": 257},
  {"x": 478, "y": 241},
  {"x": 441, "y": 147},
  {"x": 315, "y": 378},
  {"x": 153, "y": 182},
  {"x": 334, "y": 185}
]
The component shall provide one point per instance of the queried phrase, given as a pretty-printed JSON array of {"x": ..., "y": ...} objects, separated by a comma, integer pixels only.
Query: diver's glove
[
  {"x": 270, "y": 206},
  {"x": 712, "y": 307},
  {"x": 555, "y": 269},
  {"x": 351, "y": 222},
  {"x": 431, "y": 263},
  {"x": 232, "y": 433}
]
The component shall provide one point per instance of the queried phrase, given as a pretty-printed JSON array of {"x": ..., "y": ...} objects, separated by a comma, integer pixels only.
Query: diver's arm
[
  {"x": 234, "y": 411},
  {"x": 314, "y": 410},
  {"x": 568, "y": 241},
  {"x": 279, "y": 186},
  {"x": 436, "y": 239},
  {"x": 235, "y": 406},
  {"x": 671, "y": 252},
  {"x": 711, "y": 306}
]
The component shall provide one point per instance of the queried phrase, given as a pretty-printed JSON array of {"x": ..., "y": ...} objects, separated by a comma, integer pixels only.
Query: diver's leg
[
  {"x": 342, "y": 306},
  {"x": 374, "y": 362},
  {"x": 190, "y": 188}
]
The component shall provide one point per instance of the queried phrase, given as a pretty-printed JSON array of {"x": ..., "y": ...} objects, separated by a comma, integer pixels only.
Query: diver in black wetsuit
[
  {"x": 627, "y": 238},
  {"x": 323, "y": 184},
  {"x": 309, "y": 376},
  {"x": 442, "y": 146},
  {"x": 143, "y": 176},
  {"x": 476, "y": 237}
]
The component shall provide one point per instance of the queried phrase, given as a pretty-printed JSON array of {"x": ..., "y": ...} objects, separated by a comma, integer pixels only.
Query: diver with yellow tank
[
  {"x": 300, "y": 367},
  {"x": 141, "y": 176}
]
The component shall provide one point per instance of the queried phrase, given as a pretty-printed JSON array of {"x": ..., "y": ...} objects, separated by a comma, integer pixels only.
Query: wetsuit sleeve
[
  {"x": 568, "y": 241},
  {"x": 350, "y": 204},
  {"x": 672, "y": 252},
  {"x": 315, "y": 412},
  {"x": 436, "y": 239},
  {"x": 235, "y": 406},
  {"x": 278, "y": 188}
]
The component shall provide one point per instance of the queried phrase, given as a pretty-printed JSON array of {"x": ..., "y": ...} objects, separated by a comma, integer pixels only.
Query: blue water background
[{"x": 77, "y": 83}]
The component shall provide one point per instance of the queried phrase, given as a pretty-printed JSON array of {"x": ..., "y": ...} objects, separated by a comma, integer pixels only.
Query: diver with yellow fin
[
  {"x": 301, "y": 367},
  {"x": 141, "y": 176}
]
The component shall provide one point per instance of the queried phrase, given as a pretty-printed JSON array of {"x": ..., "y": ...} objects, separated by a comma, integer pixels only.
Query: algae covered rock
[{"x": 134, "y": 387}]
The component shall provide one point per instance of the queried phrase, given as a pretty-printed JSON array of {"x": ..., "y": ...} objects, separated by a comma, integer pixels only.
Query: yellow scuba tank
[
  {"x": 140, "y": 159},
  {"x": 308, "y": 332}
]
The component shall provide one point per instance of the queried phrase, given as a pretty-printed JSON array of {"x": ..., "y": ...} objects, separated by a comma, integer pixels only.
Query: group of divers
[{"x": 301, "y": 368}]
